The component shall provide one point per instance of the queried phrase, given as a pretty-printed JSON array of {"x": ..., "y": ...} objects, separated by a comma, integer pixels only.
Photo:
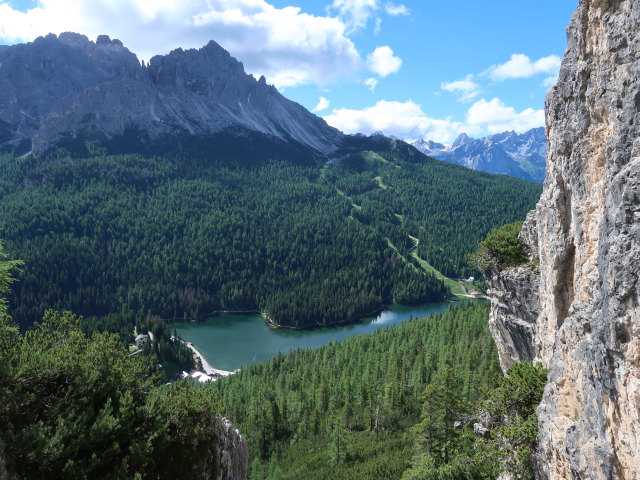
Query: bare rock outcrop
[
  {"x": 514, "y": 308},
  {"x": 67, "y": 88},
  {"x": 585, "y": 232},
  {"x": 233, "y": 453}
]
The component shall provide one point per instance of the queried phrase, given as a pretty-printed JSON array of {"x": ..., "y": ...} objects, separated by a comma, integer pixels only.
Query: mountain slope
[
  {"x": 68, "y": 89},
  {"x": 186, "y": 187},
  {"x": 183, "y": 236},
  {"x": 521, "y": 156}
]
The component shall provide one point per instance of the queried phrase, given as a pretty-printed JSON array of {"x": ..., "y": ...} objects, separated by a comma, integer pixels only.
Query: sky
[{"x": 414, "y": 69}]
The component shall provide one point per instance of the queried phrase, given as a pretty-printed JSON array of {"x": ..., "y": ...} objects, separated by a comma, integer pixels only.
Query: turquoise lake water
[{"x": 230, "y": 341}]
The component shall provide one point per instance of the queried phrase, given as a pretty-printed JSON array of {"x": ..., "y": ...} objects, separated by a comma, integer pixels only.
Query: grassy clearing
[
  {"x": 340, "y": 192},
  {"x": 455, "y": 286},
  {"x": 373, "y": 157},
  {"x": 380, "y": 183}
]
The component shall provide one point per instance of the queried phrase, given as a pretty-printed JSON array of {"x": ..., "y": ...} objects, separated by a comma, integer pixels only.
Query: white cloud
[
  {"x": 287, "y": 46},
  {"x": 550, "y": 81},
  {"x": 377, "y": 26},
  {"x": 521, "y": 66},
  {"x": 383, "y": 62},
  {"x": 407, "y": 120},
  {"x": 466, "y": 89},
  {"x": 371, "y": 84},
  {"x": 357, "y": 13},
  {"x": 395, "y": 10},
  {"x": 323, "y": 104},
  {"x": 496, "y": 117},
  {"x": 404, "y": 120}
]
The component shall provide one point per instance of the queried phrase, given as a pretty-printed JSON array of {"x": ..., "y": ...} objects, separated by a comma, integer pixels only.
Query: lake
[{"x": 230, "y": 341}]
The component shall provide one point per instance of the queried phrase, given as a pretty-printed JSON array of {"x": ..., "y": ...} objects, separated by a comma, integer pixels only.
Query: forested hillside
[
  {"x": 78, "y": 407},
  {"x": 380, "y": 404},
  {"x": 344, "y": 410},
  {"x": 398, "y": 403},
  {"x": 180, "y": 236}
]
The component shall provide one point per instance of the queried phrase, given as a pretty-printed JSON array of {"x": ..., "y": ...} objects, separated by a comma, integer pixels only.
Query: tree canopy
[{"x": 181, "y": 236}]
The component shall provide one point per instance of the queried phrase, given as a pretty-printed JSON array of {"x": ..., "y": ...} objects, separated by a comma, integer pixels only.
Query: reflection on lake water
[{"x": 230, "y": 341}]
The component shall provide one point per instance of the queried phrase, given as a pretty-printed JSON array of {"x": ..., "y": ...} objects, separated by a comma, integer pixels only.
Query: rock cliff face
[
  {"x": 62, "y": 88},
  {"x": 233, "y": 454},
  {"x": 585, "y": 232}
]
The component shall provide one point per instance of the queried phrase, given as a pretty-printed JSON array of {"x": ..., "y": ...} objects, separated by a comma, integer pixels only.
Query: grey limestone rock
[
  {"x": 514, "y": 312},
  {"x": 233, "y": 453},
  {"x": 61, "y": 88},
  {"x": 585, "y": 232}
]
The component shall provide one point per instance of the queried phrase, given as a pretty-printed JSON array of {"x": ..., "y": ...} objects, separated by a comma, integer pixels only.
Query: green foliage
[
  {"x": 369, "y": 457},
  {"x": 6, "y": 278},
  {"x": 445, "y": 444},
  {"x": 337, "y": 445},
  {"x": 368, "y": 387},
  {"x": 75, "y": 407},
  {"x": 442, "y": 407},
  {"x": 502, "y": 249},
  {"x": 180, "y": 237},
  {"x": 167, "y": 347},
  {"x": 511, "y": 407}
]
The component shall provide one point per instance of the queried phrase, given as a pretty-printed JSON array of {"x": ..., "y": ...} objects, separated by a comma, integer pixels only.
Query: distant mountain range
[
  {"x": 521, "y": 156},
  {"x": 66, "y": 89}
]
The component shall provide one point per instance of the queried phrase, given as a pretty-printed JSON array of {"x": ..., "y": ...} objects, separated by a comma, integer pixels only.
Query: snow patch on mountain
[{"x": 521, "y": 156}]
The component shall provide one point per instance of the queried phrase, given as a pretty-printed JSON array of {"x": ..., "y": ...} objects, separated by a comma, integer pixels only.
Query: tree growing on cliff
[
  {"x": 447, "y": 448},
  {"x": 502, "y": 249}
]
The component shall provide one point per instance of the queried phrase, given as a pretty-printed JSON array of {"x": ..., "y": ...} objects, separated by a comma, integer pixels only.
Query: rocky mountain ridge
[
  {"x": 518, "y": 155},
  {"x": 583, "y": 315},
  {"x": 65, "y": 88}
]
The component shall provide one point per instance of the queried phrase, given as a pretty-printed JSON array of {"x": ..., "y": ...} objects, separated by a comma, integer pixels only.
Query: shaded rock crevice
[
  {"x": 233, "y": 453},
  {"x": 587, "y": 229}
]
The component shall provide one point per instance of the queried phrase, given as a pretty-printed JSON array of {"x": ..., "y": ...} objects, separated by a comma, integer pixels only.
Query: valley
[
  {"x": 336, "y": 283},
  {"x": 182, "y": 235}
]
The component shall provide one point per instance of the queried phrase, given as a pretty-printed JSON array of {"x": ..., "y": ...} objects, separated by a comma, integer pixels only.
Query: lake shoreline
[
  {"x": 234, "y": 341},
  {"x": 359, "y": 319},
  {"x": 206, "y": 366},
  {"x": 276, "y": 326}
]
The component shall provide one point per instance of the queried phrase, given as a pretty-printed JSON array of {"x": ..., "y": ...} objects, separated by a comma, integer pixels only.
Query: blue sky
[{"x": 414, "y": 69}]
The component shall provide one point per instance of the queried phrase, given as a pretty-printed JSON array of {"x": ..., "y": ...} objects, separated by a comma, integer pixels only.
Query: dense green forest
[
  {"x": 397, "y": 403},
  {"x": 78, "y": 407},
  {"x": 307, "y": 243},
  {"x": 384, "y": 405}
]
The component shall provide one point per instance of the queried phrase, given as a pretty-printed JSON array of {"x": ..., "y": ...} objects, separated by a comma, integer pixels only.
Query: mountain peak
[
  {"x": 105, "y": 40},
  {"x": 520, "y": 156},
  {"x": 68, "y": 88},
  {"x": 462, "y": 139}
]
